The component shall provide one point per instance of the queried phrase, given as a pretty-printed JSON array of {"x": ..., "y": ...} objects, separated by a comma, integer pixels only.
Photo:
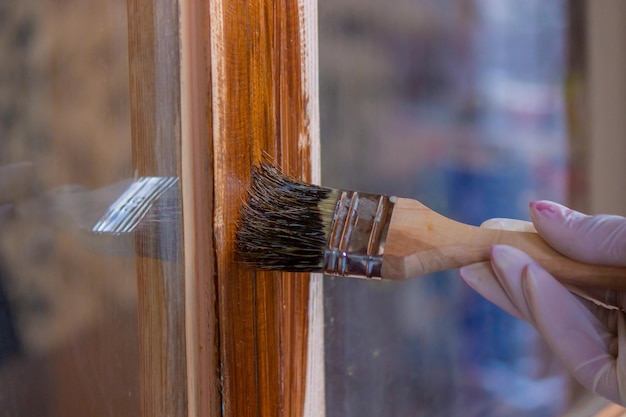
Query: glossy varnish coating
[{"x": 259, "y": 105}]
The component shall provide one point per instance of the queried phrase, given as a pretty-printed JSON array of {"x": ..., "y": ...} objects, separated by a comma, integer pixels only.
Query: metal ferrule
[{"x": 357, "y": 235}]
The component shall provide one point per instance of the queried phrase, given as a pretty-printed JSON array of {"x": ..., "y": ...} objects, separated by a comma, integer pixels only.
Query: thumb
[{"x": 599, "y": 239}]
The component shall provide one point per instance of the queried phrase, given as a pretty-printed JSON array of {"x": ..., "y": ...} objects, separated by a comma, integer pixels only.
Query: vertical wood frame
[
  {"x": 203, "y": 364},
  {"x": 607, "y": 105},
  {"x": 264, "y": 99},
  {"x": 154, "y": 61},
  {"x": 215, "y": 85}
]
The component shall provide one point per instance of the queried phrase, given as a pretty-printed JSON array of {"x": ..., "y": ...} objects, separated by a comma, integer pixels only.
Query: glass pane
[
  {"x": 68, "y": 307},
  {"x": 458, "y": 104}
]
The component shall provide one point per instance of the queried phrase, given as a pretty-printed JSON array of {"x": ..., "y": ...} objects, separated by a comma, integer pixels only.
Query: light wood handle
[{"x": 421, "y": 241}]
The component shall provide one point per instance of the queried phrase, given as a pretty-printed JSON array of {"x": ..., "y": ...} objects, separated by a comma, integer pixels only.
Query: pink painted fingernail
[{"x": 547, "y": 209}]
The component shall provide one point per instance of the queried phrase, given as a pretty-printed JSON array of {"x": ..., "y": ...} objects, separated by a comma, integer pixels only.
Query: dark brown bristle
[{"x": 284, "y": 224}]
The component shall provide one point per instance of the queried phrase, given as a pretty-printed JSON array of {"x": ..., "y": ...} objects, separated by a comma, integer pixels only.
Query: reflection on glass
[
  {"x": 458, "y": 104},
  {"x": 68, "y": 327}
]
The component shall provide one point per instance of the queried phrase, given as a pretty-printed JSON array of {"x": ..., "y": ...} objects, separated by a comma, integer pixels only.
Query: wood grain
[
  {"x": 240, "y": 83},
  {"x": 260, "y": 104},
  {"x": 421, "y": 241},
  {"x": 203, "y": 371},
  {"x": 314, "y": 395},
  {"x": 154, "y": 62}
]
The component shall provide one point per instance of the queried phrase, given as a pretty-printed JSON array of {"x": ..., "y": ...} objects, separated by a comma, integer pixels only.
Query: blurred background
[
  {"x": 474, "y": 107},
  {"x": 68, "y": 325}
]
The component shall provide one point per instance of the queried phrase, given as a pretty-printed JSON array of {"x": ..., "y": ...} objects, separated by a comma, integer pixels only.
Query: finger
[
  {"x": 573, "y": 332},
  {"x": 509, "y": 265},
  {"x": 509, "y": 224},
  {"x": 599, "y": 239},
  {"x": 481, "y": 278}
]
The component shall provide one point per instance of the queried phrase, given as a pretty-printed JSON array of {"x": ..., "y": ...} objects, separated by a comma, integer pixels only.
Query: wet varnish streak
[{"x": 260, "y": 103}]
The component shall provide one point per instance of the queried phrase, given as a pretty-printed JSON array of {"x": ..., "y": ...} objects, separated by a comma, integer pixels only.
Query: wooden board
[
  {"x": 203, "y": 370},
  {"x": 154, "y": 61},
  {"x": 240, "y": 81},
  {"x": 262, "y": 102}
]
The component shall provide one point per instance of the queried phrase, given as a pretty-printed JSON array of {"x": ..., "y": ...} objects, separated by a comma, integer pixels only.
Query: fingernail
[
  {"x": 531, "y": 274},
  {"x": 475, "y": 275},
  {"x": 550, "y": 210},
  {"x": 546, "y": 208},
  {"x": 493, "y": 224},
  {"x": 472, "y": 272},
  {"x": 502, "y": 256},
  {"x": 534, "y": 277}
]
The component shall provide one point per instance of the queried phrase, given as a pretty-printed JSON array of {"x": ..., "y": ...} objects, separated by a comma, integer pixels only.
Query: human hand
[{"x": 586, "y": 330}]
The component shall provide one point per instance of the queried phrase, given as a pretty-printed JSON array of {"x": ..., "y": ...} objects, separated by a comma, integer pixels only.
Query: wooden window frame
[{"x": 214, "y": 85}]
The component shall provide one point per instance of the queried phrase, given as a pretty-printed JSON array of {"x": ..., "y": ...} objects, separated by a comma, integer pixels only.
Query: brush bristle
[{"x": 284, "y": 224}]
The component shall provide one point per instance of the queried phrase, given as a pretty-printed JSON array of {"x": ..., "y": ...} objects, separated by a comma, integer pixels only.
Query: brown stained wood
[
  {"x": 155, "y": 119},
  {"x": 243, "y": 92},
  {"x": 259, "y": 105}
]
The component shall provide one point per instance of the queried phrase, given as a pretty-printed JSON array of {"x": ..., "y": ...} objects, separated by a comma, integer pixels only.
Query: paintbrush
[{"x": 288, "y": 225}]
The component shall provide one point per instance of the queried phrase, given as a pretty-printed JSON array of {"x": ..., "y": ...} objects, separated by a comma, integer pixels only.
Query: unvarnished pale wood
[
  {"x": 155, "y": 123},
  {"x": 261, "y": 104},
  {"x": 314, "y": 395},
  {"x": 203, "y": 378},
  {"x": 421, "y": 241}
]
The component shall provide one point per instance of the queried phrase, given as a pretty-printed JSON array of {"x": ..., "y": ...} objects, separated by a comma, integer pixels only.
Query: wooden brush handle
[{"x": 421, "y": 241}]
